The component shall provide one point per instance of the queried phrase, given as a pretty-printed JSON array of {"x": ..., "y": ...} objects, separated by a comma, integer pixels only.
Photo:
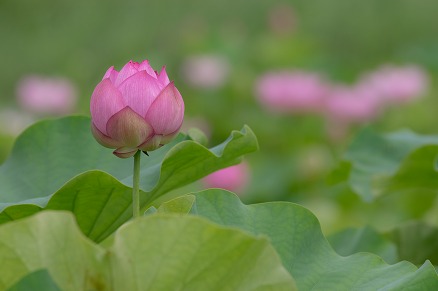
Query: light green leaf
[
  {"x": 182, "y": 205},
  {"x": 157, "y": 252},
  {"x": 296, "y": 234}
]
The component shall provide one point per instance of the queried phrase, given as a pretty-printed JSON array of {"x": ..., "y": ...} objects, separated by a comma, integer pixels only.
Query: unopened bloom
[{"x": 135, "y": 109}]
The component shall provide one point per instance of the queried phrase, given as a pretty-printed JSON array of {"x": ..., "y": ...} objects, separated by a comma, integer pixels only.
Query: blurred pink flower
[
  {"x": 205, "y": 71},
  {"x": 233, "y": 178},
  {"x": 46, "y": 95},
  {"x": 397, "y": 84},
  {"x": 292, "y": 91},
  {"x": 352, "y": 104},
  {"x": 282, "y": 20},
  {"x": 346, "y": 106}
]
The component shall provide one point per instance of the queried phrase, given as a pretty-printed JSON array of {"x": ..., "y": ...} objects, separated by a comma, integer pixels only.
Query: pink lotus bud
[
  {"x": 135, "y": 109},
  {"x": 292, "y": 92},
  {"x": 233, "y": 178},
  {"x": 45, "y": 95},
  {"x": 397, "y": 84}
]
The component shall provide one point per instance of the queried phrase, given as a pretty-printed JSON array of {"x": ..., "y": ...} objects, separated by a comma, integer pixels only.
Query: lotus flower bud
[{"x": 135, "y": 109}]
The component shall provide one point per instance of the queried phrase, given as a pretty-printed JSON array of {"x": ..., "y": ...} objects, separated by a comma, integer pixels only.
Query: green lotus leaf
[
  {"x": 56, "y": 164},
  {"x": 296, "y": 235}
]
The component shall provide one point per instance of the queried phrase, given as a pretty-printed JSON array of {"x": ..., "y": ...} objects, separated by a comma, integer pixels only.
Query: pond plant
[{"x": 75, "y": 217}]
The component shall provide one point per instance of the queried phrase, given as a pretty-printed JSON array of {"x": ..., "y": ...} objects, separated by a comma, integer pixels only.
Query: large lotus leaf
[
  {"x": 51, "y": 152},
  {"x": 373, "y": 158},
  {"x": 365, "y": 239},
  {"x": 159, "y": 252},
  {"x": 296, "y": 234},
  {"x": 54, "y": 153}
]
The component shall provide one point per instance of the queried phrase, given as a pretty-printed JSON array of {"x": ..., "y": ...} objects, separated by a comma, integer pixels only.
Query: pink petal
[
  {"x": 104, "y": 140},
  {"x": 145, "y": 66},
  {"x": 129, "y": 128},
  {"x": 127, "y": 71},
  {"x": 167, "y": 112},
  {"x": 125, "y": 152},
  {"x": 136, "y": 65},
  {"x": 106, "y": 101},
  {"x": 111, "y": 74},
  {"x": 163, "y": 79},
  {"x": 139, "y": 92}
]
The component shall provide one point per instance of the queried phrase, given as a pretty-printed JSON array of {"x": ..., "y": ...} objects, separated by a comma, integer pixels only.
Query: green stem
[{"x": 135, "y": 186}]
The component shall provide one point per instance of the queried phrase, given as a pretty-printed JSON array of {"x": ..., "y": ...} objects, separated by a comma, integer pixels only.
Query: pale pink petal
[
  {"x": 104, "y": 140},
  {"x": 163, "y": 79},
  {"x": 140, "y": 91},
  {"x": 129, "y": 128},
  {"x": 145, "y": 66},
  {"x": 127, "y": 71},
  {"x": 111, "y": 74},
  {"x": 105, "y": 102},
  {"x": 167, "y": 112},
  {"x": 125, "y": 152}
]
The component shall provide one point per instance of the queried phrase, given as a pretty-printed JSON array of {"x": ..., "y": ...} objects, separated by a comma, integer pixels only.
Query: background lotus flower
[
  {"x": 349, "y": 105},
  {"x": 292, "y": 91},
  {"x": 46, "y": 95},
  {"x": 135, "y": 109},
  {"x": 233, "y": 178},
  {"x": 397, "y": 84},
  {"x": 353, "y": 104}
]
